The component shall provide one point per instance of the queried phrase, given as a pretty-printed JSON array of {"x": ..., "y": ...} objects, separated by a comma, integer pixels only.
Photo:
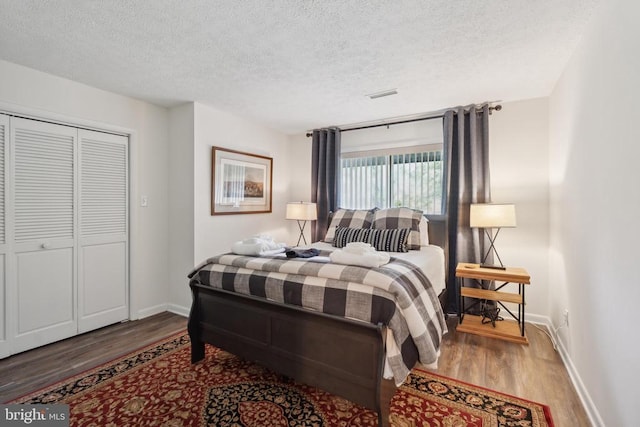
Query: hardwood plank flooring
[
  {"x": 25, "y": 372},
  {"x": 533, "y": 372}
]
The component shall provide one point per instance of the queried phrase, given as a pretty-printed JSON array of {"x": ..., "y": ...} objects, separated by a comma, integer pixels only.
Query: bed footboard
[{"x": 340, "y": 356}]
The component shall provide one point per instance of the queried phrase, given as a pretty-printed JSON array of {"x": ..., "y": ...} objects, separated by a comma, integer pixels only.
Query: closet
[{"x": 63, "y": 232}]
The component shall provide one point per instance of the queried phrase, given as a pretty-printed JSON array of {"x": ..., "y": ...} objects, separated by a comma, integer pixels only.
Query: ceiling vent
[{"x": 387, "y": 92}]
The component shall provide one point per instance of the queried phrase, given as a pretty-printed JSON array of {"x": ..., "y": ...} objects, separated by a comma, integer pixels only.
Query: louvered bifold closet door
[
  {"x": 43, "y": 223},
  {"x": 103, "y": 249},
  {"x": 5, "y": 348}
]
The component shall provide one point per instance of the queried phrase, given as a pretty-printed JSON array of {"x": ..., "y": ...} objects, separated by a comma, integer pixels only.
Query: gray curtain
[
  {"x": 325, "y": 176},
  {"x": 466, "y": 142}
]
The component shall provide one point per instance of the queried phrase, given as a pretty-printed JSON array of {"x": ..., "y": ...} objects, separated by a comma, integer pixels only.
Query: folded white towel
[
  {"x": 257, "y": 246},
  {"x": 270, "y": 252},
  {"x": 359, "y": 248},
  {"x": 370, "y": 259},
  {"x": 252, "y": 241}
]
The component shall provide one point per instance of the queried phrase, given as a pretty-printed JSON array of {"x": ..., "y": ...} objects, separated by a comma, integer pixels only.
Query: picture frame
[{"x": 241, "y": 183}]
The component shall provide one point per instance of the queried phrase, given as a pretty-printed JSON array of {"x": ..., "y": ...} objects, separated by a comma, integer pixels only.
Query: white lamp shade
[
  {"x": 302, "y": 211},
  {"x": 489, "y": 215}
]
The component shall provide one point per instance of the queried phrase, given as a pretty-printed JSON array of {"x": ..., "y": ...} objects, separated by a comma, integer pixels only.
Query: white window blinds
[{"x": 410, "y": 177}]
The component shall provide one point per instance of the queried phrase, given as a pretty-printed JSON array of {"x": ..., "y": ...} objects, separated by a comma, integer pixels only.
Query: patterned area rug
[{"x": 158, "y": 386}]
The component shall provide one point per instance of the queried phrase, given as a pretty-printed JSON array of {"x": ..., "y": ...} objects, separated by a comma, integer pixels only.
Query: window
[{"x": 410, "y": 176}]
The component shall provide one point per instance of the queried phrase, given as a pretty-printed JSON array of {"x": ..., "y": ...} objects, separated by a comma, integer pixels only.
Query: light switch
[{"x": 144, "y": 201}]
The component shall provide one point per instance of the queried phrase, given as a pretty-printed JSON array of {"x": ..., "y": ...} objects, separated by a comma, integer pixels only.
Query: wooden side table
[{"x": 511, "y": 330}]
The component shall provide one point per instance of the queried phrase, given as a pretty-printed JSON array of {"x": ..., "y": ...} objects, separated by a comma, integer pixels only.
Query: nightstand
[{"x": 511, "y": 330}]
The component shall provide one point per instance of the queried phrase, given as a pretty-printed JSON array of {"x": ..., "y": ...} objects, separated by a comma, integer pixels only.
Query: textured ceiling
[{"x": 294, "y": 65}]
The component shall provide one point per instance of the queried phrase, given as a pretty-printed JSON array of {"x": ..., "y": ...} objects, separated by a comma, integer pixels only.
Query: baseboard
[
  {"x": 161, "y": 308},
  {"x": 150, "y": 311},
  {"x": 592, "y": 411},
  {"x": 583, "y": 394},
  {"x": 538, "y": 319},
  {"x": 178, "y": 309}
]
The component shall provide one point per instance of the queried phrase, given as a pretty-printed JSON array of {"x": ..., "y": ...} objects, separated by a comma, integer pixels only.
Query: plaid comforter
[{"x": 397, "y": 294}]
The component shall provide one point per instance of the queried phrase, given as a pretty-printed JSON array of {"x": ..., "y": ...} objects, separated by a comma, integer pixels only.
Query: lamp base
[
  {"x": 495, "y": 267},
  {"x": 301, "y": 227},
  {"x": 492, "y": 240}
]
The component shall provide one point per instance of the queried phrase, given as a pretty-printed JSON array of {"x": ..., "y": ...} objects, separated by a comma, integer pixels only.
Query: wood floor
[
  {"x": 533, "y": 372},
  {"x": 23, "y": 373}
]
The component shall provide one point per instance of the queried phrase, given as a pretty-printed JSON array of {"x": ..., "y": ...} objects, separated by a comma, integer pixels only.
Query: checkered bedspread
[{"x": 397, "y": 294}]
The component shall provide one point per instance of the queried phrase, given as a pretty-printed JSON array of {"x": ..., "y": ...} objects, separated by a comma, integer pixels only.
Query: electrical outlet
[{"x": 566, "y": 316}]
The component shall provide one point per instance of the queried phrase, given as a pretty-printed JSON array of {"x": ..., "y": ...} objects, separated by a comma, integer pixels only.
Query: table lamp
[
  {"x": 302, "y": 212},
  {"x": 490, "y": 216}
]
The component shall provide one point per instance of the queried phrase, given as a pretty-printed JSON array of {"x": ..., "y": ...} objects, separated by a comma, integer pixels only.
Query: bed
[{"x": 299, "y": 331}]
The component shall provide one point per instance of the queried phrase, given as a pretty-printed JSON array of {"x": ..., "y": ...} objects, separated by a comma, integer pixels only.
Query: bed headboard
[{"x": 437, "y": 229}]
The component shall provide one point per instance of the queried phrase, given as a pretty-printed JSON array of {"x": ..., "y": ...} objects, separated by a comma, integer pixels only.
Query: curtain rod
[{"x": 439, "y": 116}]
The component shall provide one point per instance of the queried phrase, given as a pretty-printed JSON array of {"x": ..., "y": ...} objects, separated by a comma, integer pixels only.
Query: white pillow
[{"x": 424, "y": 231}]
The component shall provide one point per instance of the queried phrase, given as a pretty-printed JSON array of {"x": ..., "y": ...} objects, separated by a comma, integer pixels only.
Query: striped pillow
[{"x": 389, "y": 240}]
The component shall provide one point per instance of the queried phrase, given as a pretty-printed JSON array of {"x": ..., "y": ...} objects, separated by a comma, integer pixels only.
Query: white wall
[
  {"x": 300, "y": 167},
  {"x": 181, "y": 206},
  {"x": 213, "y": 127},
  {"x": 24, "y": 90},
  {"x": 299, "y": 188},
  {"x": 401, "y": 135},
  {"x": 595, "y": 206},
  {"x": 213, "y": 235},
  {"x": 519, "y": 165}
]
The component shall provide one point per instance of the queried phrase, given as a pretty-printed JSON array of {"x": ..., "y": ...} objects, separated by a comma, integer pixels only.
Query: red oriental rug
[{"x": 159, "y": 386}]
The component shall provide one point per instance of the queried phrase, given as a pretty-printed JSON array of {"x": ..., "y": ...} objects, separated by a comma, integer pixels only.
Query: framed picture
[{"x": 240, "y": 182}]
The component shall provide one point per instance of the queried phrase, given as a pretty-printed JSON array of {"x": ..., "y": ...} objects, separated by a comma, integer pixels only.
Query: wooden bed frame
[{"x": 338, "y": 355}]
